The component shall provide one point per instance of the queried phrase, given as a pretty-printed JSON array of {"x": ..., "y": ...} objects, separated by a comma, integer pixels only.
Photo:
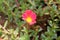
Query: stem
[{"x": 17, "y": 3}]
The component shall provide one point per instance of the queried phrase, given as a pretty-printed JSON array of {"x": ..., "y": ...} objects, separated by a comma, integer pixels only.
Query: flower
[
  {"x": 29, "y": 16},
  {"x": 1, "y": 39}
]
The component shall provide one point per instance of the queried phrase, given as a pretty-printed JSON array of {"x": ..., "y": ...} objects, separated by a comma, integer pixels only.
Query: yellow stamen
[{"x": 29, "y": 19}]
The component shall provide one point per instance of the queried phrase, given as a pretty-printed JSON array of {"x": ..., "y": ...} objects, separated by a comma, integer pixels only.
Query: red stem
[{"x": 17, "y": 3}]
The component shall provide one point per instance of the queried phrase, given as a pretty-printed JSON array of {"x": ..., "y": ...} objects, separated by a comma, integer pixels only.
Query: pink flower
[
  {"x": 29, "y": 16},
  {"x": 1, "y": 39}
]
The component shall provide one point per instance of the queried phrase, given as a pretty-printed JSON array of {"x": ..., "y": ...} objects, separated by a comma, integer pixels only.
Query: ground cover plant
[{"x": 29, "y": 19}]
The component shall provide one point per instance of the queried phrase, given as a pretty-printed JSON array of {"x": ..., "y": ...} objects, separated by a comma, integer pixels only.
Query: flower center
[{"x": 29, "y": 19}]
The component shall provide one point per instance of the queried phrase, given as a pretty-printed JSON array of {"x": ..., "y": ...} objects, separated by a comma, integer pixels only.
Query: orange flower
[{"x": 29, "y": 16}]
